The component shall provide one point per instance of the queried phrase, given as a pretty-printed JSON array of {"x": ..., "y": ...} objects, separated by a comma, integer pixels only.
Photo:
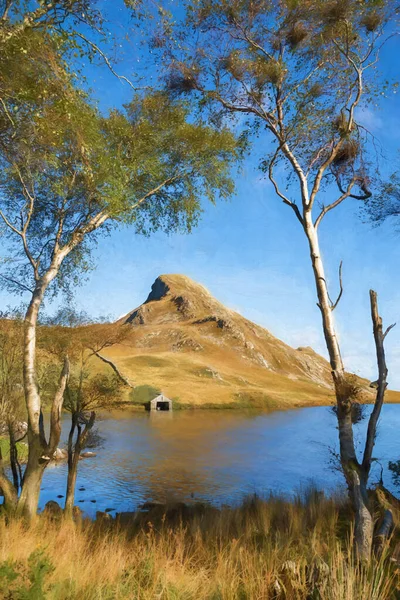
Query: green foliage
[
  {"x": 386, "y": 204},
  {"x": 86, "y": 392},
  {"x": 20, "y": 582},
  {"x": 22, "y": 450},
  {"x": 142, "y": 394},
  {"x": 70, "y": 172},
  {"x": 11, "y": 377},
  {"x": 394, "y": 467}
]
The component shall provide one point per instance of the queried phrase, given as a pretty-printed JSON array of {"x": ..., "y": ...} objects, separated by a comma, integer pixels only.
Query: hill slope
[{"x": 188, "y": 345}]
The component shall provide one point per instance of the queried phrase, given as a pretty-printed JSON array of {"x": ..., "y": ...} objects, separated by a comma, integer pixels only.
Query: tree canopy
[
  {"x": 300, "y": 71},
  {"x": 67, "y": 169}
]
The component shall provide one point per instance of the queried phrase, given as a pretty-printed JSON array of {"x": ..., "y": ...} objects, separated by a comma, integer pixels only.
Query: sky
[{"x": 251, "y": 253}]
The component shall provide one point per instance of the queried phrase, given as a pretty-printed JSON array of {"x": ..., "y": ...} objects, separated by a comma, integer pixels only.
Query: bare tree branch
[
  {"x": 379, "y": 338},
  {"x": 18, "y": 283},
  {"x": 330, "y": 207},
  {"x": 284, "y": 198},
  {"x": 333, "y": 306}
]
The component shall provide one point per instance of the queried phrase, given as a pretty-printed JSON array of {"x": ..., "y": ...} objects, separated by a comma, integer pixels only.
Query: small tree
[
  {"x": 299, "y": 72},
  {"x": 85, "y": 395},
  {"x": 86, "y": 391}
]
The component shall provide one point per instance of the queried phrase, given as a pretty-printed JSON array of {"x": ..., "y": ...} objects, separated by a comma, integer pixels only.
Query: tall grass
[{"x": 264, "y": 549}]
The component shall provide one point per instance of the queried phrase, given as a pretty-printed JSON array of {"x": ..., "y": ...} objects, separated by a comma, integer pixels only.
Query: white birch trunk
[{"x": 357, "y": 482}]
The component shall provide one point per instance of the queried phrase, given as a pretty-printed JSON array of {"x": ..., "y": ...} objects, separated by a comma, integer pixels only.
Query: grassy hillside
[{"x": 185, "y": 343}]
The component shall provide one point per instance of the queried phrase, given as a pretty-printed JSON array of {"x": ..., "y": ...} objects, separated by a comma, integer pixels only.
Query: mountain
[{"x": 185, "y": 343}]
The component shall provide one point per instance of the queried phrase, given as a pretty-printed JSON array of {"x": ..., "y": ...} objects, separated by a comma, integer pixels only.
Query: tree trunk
[
  {"x": 40, "y": 452},
  {"x": 347, "y": 449},
  {"x": 356, "y": 480},
  {"x": 364, "y": 523},
  {"x": 7, "y": 488},
  {"x": 71, "y": 481},
  {"x": 73, "y": 458},
  {"x": 29, "y": 498},
  {"x": 74, "y": 452},
  {"x": 13, "y": 455}
]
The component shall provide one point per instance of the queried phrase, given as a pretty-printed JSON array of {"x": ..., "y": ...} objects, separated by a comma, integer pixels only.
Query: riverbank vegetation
[{"x": 263, "y": 549}]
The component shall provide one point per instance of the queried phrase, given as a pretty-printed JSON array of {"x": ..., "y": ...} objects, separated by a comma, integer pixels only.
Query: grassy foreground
[{"x": 265, "y": 549}]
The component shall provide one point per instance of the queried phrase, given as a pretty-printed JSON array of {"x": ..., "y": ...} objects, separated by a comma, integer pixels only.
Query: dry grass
[{"x": 262, "y": 550}]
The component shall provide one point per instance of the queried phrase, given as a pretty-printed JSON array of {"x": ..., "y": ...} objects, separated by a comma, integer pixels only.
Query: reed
[{"x": 264, "y": 549}]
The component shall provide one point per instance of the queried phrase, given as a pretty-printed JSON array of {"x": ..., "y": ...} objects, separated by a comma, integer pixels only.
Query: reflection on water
[{"x": 210, "y": 455}]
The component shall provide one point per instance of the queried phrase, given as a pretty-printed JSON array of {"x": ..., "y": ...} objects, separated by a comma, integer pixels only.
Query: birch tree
[
  {"x": 296, "y": 76},
  {"x": 68, "y": 174}
]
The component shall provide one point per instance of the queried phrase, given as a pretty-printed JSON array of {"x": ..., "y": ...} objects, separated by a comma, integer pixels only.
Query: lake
[{"x": 218, "y": 456}]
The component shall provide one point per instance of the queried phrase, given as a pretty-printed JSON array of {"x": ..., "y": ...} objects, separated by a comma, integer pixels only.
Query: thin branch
[
  {"x": 106, "y": 59},
  {"x": 330, "y": 207},
  {"x": 333, "y": 306},
  {"x": 379, "y": 338},
  {"x": 9, "y": 224},
  {"x": 284, "y": 198},
  {"x": 114, "y": 368},
  {"x": 367, "y": 194},
  {"x": 18, "y": 283},
  {"x": 7, "y": 7},
  {"x": 388, "y": 329},
  {"x": 8, "y": 115}
]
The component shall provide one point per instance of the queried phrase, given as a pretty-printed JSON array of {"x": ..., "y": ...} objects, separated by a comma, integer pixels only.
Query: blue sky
[{"x": 252, "y": 255}]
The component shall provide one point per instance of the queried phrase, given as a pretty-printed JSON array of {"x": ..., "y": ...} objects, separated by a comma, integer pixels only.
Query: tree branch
[
  {"x": 330, "y": 207},
  {"x": 114, "y": 368},
  {"x": 284, "y": 198},
  {"x": 55, "y": 415},
  {"x": 379, "y": 338},
  {"x": 333, "y": 306},
  {"x": 18, "y": 283},
  {"x": 105, "y": 58}
]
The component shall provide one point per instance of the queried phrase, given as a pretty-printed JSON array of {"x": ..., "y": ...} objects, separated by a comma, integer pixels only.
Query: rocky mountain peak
[{"x": 159, "y": 289}]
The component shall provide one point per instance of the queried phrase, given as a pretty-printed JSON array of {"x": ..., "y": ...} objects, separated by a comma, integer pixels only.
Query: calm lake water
[{"x": 218, "y": 456}]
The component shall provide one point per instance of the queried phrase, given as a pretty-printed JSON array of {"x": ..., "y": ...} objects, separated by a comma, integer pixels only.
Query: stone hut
[{"x": 161, "y": 402}]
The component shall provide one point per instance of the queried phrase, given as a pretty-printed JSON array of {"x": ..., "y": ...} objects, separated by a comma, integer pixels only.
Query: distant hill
[{"x": 185, "y": 343}]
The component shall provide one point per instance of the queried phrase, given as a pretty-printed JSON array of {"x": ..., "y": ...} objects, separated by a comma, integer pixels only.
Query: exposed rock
[
  {"x": 19, "y": 427},
  {"x": 53, "y": 510},
  {"x": 137, "y": 317},
  {"x": 150, "y": 505},
  {"x": 187, "y": 343},
  {"x": 210, "y": 372},
  {"x": 88, "y": 454},
  {"x": 60, "y": 454},
  {"x": 125, "y": 518},
  {"x": 103, "y": 517},
  {"x": 262, "y": 360},
  {"x": 159, "y": 289},
  {"x": 185, "y": 306}
]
